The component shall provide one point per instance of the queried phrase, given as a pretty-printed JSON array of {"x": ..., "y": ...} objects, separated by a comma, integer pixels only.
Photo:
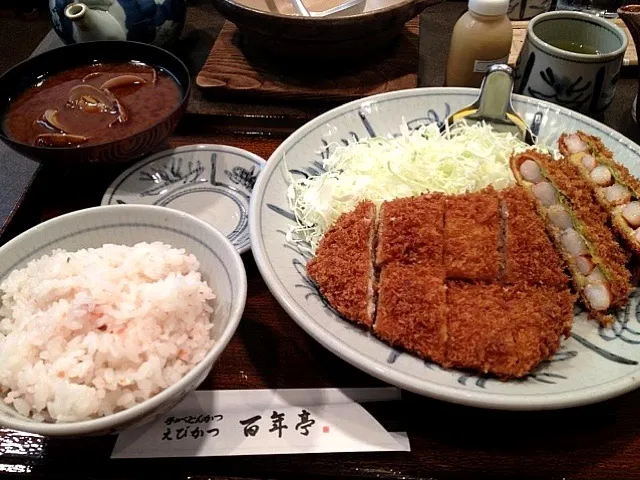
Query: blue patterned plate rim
[
  {"x": 239, "y": 237},
  {"x": 383, "y": 370}
]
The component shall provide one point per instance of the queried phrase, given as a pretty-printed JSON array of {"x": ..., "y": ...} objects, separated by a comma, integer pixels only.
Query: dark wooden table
[{"x": 270, "y": 351}]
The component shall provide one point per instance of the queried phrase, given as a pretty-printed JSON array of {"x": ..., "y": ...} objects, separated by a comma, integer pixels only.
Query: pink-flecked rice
[{"x": 88, "y": 333}]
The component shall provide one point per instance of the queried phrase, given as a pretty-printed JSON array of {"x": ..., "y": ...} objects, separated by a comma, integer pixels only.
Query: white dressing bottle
[{"x": 481, "y": 38}]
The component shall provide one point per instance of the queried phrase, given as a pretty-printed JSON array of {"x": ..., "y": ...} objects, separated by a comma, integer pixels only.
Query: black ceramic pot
[{"x": 321, "y": 39}]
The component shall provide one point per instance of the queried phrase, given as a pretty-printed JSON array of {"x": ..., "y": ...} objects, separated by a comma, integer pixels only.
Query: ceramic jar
[{"x": 158, "y": 22}]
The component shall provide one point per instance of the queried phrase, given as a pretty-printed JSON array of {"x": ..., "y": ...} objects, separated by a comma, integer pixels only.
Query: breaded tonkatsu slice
[
  {"x": 412, "y": 309},
  {"x": 505, "y": 330},
  {"x": 343, "y": 265},
  {"x": 411, "y": 230},
  {"x": 472, "y": 236},
  {"x": 529, "y": 254},
  {"x": 578, "y": 227}
]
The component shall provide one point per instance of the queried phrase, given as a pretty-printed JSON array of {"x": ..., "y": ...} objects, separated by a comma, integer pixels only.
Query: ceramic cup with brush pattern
[{"x": 572, "y": 59}]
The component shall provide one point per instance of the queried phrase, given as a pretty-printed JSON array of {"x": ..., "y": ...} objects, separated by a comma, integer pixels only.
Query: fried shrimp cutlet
[
  {"x": 505, "y": 330},
  {"x": 578, "y": 227},
  {"x": 529, "y": 254},
  {"x": 411, "y": 230},
  {"x": 472, "y": 236},
  {"x": 613, "y": 186},
  {"x": 343, "y": 265},
  {"x": 412, "y": 309}
]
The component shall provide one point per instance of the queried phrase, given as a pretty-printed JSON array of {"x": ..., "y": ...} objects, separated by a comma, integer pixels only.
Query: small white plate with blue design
[{"x": 211, "y": 182}]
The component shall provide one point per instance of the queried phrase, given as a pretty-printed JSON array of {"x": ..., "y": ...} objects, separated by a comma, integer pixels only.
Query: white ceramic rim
[
  {"x": 382, "y": 371},
  {"x": 87, "y": 427},
  {"x": 583, "y": 57},
  {"x": 239, "y": 5},
  {"x": 171, "y": 151}
]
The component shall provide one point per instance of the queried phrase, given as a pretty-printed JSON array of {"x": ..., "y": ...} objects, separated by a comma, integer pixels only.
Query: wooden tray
[
  {"x": 233, "y": 67},
  {"x": 520, "y": 33}
]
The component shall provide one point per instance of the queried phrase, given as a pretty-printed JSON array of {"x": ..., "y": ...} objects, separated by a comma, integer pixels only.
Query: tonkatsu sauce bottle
[{"x": 481, "y": 38}]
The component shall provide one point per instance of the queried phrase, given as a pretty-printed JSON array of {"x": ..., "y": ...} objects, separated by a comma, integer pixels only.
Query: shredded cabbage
[{"x": 465, "y": 159}]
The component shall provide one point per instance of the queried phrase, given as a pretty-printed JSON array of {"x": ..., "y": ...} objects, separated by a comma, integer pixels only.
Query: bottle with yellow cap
[{"x": 481, "y": 38}]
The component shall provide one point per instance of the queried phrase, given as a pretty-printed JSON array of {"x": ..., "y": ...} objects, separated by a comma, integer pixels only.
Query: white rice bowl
[
  {"x": 88, "y": 333},
  {"x": 200, "y": 253}
]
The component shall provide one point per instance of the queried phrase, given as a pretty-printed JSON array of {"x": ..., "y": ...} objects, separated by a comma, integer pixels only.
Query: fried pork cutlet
[
  {"x": 412, "y": 309},
  {"x": 505, "y": 316},
  {"x": 529, "y": 254},
  {"x": 504, "y": 330},
  {"x": 343, "y": 265},
  {"x": 577, "y": 226},
  {"x": 472, "y": 236},
  {"x": 614, "y": 188},
  {"x": 411, "y": 230},
  {"x": 411, "y": 300}
]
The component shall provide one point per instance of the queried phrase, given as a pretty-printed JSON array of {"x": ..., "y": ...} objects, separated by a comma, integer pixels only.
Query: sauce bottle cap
[{"x": 489, "y": 7}]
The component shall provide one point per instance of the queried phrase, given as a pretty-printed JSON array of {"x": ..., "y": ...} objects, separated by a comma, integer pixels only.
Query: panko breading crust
[
  {"x": 411, "y": 230},
  {"x": 529, "y": 255},
  {"x": 505, "y": 327},
  {"x": 412, "y": 309},
  {"x": 620, "y": 173},
  {"x": 472, "y": 233},
  {"x": 566, "y": 178},
  {"x": 598, "y": 148},
  {"x": 342, "y": 267}
]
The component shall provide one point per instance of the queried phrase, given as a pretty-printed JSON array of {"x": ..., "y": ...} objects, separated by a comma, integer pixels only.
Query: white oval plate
[
  {"x": 212, "y": 182},
  {"x": 594, "y": 364}
]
